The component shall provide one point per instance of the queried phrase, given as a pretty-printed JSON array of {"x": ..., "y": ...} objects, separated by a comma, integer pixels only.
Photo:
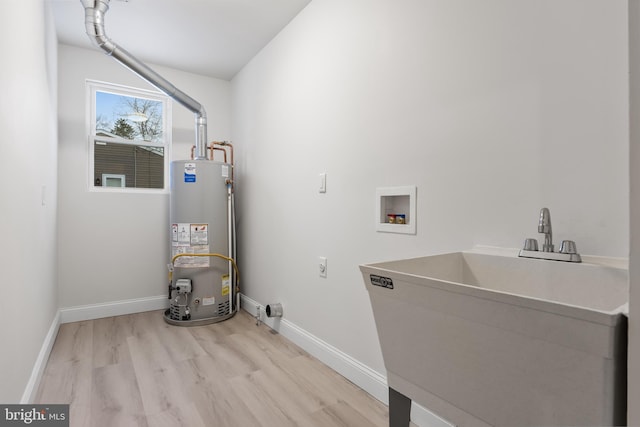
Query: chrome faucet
[
  {"x": 567, "y": 252},
  {"x": 544, "y": 226}
]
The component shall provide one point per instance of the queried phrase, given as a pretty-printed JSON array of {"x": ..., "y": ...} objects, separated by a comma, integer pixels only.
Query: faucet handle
[
  {"x": 530, "y": 244},
  {"x": 568, "y": 247}
]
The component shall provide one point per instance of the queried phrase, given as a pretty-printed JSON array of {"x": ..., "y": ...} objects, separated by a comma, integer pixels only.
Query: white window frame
[{"x": 93, "y": 86}]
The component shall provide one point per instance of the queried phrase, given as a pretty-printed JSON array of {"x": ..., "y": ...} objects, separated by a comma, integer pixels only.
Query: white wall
[
  {"x": 114, "y": 246},
  {"x": 493, "y": 109},
  {"x": 634, "y": 256},
  {"x": 28, "y": 167}
]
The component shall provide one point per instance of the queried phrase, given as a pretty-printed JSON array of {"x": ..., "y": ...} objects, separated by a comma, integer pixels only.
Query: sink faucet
[
  {"x": 544, "y": 226},
  {"x": 567, "y": 252}
]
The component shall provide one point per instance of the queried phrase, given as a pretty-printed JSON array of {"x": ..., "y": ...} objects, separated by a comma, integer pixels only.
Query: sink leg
[{"x": 399, "y": 409}]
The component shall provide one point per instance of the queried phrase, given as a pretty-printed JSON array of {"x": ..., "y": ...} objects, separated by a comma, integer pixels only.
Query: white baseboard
[
  {"x": 115, "y": 308},
  {"x": 31, "y": 389},
  {"x": 358, "y": 373}
]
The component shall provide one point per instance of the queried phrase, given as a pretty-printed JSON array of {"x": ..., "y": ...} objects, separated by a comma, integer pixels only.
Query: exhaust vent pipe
[
  {"x": 274, "y": 310},
  {"x": 94, "y": 11}
]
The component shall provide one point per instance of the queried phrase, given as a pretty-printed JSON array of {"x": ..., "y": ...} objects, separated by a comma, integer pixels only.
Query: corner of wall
[{"x": 31, "y": 390}]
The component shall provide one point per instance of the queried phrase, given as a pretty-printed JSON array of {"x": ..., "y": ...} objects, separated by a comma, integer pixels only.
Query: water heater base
[{"x": 196, "y": 322}]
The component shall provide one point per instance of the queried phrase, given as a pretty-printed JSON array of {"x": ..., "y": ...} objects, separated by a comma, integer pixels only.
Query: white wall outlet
[
  {"x": 322, "y": 188},
  {"x": 322, "y": 266}
]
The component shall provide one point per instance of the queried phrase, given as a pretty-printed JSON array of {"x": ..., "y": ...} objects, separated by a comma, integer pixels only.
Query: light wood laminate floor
[{"x": 136, "y": 370}]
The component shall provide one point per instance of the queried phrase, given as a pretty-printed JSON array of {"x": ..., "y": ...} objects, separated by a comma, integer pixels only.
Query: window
[
  {"x": 129, "y": 138},
  {"x": 111, "y": 180}
]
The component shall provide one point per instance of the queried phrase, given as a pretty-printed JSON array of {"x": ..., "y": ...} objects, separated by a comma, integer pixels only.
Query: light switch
[
  {"x": 323, "y": 183},
  {"x": 322, "y": 266}
]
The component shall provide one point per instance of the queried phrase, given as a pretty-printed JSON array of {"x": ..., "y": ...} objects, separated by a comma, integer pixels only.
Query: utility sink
[{"x": 485, "y": 338}]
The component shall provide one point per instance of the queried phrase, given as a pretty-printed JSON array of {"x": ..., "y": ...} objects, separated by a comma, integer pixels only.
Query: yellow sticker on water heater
[{"x": 225, "y": 285}]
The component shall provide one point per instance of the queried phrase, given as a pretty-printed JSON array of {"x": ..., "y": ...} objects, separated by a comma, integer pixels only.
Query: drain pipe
[
  {"x": 94, "y": 11},
  {"x": 274, "y": 310}
]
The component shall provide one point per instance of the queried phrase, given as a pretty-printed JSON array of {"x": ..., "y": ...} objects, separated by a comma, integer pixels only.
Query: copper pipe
[
  {"x": 212, "y": 148},
  {"x": 219, "y": 149},
  {"x": 226, "y": 144}
]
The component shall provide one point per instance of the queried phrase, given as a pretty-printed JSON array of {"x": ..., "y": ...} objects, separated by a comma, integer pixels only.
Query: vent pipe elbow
[{"x": 94, "y": 24}]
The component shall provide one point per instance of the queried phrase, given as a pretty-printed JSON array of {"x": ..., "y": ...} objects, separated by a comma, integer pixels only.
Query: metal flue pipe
[{"x": 94, "y": 11}]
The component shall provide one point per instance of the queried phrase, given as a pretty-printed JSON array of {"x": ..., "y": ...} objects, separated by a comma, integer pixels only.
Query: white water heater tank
[{"x": 201, "y": 211}]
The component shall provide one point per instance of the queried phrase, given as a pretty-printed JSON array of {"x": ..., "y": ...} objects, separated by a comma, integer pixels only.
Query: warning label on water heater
[
  {"x": 190, "y": 234},
  {"x": 187, "y": 239},
  {"x": 181, "y": 233},
  {"x": 190, "y": 261},
  {"x": 199, "y": 234},
  {"x": 189, "y": 172}
]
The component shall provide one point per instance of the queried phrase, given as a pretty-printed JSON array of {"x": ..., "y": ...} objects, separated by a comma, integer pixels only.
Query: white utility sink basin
[{"x": 495, "y": 340}]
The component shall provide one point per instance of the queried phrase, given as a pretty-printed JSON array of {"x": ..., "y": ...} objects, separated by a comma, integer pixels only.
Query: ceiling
[{"x": 210, "y": 37}]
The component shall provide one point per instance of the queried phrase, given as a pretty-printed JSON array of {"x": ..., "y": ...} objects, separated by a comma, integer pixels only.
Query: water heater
[
  {"x": 202, "y": 272},
  {"x": 202, "y": 268}
]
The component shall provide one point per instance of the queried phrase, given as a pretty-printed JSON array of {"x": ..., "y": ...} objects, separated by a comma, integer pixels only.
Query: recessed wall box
[{"x": 396, "y": 209}]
